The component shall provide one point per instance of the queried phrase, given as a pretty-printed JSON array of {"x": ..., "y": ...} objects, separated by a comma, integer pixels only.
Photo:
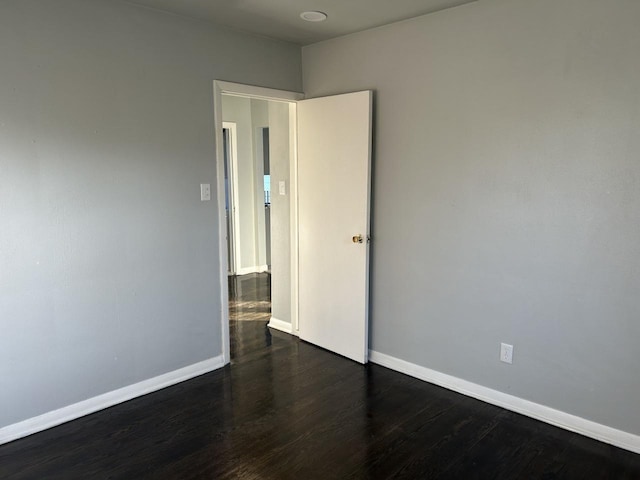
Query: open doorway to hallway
[{"x": 257, "y": 157}]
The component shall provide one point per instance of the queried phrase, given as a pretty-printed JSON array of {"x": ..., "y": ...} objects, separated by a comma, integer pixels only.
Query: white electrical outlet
[
  {"x": 205, "y": 192},
  {"x": 506, "y": 353}
]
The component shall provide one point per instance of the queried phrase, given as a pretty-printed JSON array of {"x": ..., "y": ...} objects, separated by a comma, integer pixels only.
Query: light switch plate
[
  {"x": 205, "y": 192},
  {"x": 282, "y": 187}
]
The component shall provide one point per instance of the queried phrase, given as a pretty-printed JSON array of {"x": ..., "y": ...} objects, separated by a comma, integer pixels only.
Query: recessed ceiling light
[{"x": 313, "y": 16}]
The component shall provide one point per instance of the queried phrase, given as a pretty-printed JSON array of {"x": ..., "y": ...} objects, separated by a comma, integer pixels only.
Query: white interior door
[{"x": 334, "y": 165}]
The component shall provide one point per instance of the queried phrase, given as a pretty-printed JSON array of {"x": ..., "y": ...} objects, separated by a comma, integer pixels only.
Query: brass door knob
[{"x": 357, "y": 239}]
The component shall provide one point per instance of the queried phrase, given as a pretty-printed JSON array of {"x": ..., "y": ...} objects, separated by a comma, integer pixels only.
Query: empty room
[{"x": 319, "y": 239}]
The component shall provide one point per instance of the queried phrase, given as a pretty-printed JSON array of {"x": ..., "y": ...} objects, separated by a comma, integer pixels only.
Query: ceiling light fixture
[{"x": 313, "y": 16}]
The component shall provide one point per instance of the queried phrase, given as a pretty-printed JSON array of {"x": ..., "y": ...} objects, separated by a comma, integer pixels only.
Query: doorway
[
  {"x": 263, "y": 150},
  {"x": 257, "y": 145}
]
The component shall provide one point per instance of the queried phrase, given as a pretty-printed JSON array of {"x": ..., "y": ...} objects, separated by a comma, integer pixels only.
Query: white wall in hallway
[{"x": 280, "y": 212}]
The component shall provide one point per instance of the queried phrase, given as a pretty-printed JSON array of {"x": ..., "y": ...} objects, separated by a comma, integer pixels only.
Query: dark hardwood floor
[{"x": 287, "y": 410}]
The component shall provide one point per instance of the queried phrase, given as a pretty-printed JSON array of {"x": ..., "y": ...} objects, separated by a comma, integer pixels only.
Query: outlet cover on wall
[{"x": 506, "y": 353}]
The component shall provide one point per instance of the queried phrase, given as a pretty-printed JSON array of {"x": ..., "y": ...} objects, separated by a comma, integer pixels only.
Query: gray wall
[
  {"x": 506, "y": 195},
  {"x": 279, "y": 156},
  {"x": 109, "y": 269}
]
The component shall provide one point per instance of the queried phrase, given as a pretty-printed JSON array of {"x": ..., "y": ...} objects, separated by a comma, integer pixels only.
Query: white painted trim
[
  {"x": 280, "y": 325},
  {"x": 368, "y": 231},
  {"x": 223, "y": 286},
  {"x": 256, "y": 269},
  {"x": 237, "y": 89},
  {"x": 564, "y": 420},
  {"x": 293, "y": 213},
  {"x": 106, "y": 400},
  {"x": 260, "y": 93},
  {"x": 234, "y": 197}
]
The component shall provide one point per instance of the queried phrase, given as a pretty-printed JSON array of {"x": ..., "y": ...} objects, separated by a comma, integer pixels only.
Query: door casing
[
  {"x": 232, "y": 169},
  {"x": 249, "y": 91}
]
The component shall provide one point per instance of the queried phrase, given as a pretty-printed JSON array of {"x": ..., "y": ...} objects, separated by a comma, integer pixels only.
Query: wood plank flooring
[{"x": 288, "y": 410}]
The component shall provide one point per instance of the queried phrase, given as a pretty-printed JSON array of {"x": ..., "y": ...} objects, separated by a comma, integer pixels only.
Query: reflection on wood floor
[
  {"x": 250, "y": 297},
  {"x": 249, "y": 313}
]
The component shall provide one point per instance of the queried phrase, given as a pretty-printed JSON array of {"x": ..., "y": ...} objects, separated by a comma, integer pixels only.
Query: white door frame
[
  {"x": 250, "y": 91},
  {"x": 234, "y": 199}
]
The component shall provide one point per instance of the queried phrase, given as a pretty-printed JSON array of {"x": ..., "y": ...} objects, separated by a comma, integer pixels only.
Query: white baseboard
[
  {"x": 600, "y": 432},
  {"x": 256, "y": 269},
  {"x": 106, "y": 400},
  {"x": 281, "y": 325}
]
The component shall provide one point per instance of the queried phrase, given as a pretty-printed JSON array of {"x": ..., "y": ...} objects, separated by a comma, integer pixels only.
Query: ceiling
[{"x": 280, "y": 19}]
